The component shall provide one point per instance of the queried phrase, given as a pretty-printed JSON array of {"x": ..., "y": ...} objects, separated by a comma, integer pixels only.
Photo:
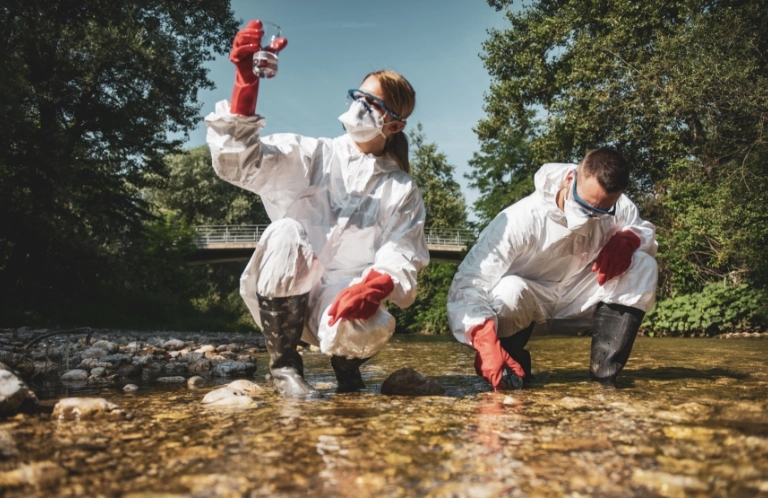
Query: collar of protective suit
[
  {"x": 359, "y": 167},
  {"x": 548, "y": 180}
]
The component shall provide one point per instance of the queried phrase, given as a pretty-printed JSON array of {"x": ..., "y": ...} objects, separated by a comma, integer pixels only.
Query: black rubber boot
[
  {"x": 348, "y": 373},
  {"x": 282, "y": 320},
  {"x": 515, "y": 346},
  {"x": 614, "y": 328}
]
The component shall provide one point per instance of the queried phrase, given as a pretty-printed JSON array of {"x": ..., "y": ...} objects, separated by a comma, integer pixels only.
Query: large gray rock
[
  {"x": 75, "y": 375},
  {"x": 15, "y": 396},
  {"x": 233, "y": 369},
  {"x": 86, "y": 408},
  {"x": 408, "y": 381},
  {"x": 201, "y": 366},
  {"x": 93, "y": 352},
  {"x": 108, "y": 346},
  {"x": 117, "y": 359}
]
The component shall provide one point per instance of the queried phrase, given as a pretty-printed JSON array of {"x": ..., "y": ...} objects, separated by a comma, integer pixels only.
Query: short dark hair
[{"x": 608, "y": 166}]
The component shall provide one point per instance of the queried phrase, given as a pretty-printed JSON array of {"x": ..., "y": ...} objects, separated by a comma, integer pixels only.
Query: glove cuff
[
  {"x": 631, "y": 238},
  {"x": 244, "y": 98}
]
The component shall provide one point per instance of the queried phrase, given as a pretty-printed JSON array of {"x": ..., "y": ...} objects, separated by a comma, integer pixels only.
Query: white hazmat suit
[
  {"x": 528, "y": 266},
  {"x": 336, "y": 214}
]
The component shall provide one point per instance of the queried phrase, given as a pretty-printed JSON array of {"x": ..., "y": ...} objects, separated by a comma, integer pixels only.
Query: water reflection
[{"x": 689, "y": 418}]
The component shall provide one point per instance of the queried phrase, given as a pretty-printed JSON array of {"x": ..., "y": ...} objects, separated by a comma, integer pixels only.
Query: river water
[{"x": 690, "y": 418}]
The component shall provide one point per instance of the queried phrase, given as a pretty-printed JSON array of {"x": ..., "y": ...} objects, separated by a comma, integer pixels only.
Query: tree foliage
[
  {"x": 91, "y": 90},
  {"x": 445, "y": 208},
  {"x": 193, "y": 190},
  {"x": 502, "y": 173},
  {"x": 679, "y": 87}
]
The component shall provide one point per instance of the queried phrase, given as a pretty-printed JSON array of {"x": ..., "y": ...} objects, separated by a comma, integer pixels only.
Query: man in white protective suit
[
  {"x": 347, "y": 222},
  {"x": 574, "y": 250}
]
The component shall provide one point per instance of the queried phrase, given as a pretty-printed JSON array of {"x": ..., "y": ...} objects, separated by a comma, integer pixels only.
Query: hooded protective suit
[
  {"x": 528, "y": 266},
  {"x": 337, "y": 213}
]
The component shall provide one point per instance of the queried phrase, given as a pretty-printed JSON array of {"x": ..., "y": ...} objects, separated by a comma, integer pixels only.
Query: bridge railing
[{"x": 223, "y": 234}]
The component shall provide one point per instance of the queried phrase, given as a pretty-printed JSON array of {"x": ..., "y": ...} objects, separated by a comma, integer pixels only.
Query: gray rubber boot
[
  {"x": 514, "y": 345},
  {"x": 614, "y": 328},
  {"x": 282, "y": 320},
  {"x": 348, "y": 373}
]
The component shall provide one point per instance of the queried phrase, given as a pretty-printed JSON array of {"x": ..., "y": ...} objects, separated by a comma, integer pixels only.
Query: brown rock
[{"x": 408, "y": 381}]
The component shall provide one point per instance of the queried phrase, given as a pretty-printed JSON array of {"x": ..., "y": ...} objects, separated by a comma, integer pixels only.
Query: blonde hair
[{"x": 401, "y": 98}]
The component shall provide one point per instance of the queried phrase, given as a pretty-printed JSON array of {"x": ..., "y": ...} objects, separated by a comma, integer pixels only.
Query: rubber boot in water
[
  {"x": 515, "y": 346},
  {"x": 348, "y": 373},
  {"x": 282, "y": 320},
  {"x": 614, "y": 328}
]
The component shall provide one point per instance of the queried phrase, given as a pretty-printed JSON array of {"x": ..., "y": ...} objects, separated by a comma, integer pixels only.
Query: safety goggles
[
  {"x": 588, "y": 209},
  {"x": 370, "y": 101}
]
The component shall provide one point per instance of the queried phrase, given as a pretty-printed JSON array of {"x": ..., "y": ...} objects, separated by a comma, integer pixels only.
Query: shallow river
[{"x": 690, "y": 418}]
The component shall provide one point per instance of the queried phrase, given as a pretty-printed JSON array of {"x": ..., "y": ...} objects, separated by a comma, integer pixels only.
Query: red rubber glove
[
  {"x": 491, "y": 359},
  {"x": 361, "y": 300},
  {"x": 246, "y": 43},
  {"x": 615, "y": 258}
]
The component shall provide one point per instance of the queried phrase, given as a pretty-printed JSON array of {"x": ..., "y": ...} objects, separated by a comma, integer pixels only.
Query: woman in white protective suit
[
  {"x": 574, "y": 250},
  {"x": 347, "y": 222}
]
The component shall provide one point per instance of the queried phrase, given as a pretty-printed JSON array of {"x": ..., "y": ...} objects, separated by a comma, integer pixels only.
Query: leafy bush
[{"x": 716, "y": 309}]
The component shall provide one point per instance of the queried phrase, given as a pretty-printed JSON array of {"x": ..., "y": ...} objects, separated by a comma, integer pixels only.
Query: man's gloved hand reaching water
[{"x": 491, "y": 360}]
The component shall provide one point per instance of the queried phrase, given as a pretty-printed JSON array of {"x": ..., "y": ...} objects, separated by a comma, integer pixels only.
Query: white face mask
[
  {"x": 362, "y": 123},
  {"x": 575, "y": 216}
]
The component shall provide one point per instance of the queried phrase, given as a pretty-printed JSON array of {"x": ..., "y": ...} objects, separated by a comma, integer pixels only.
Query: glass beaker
[{"x": 265, "y": 60}]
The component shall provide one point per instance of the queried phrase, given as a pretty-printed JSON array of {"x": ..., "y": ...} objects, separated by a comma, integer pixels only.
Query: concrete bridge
[{"x": 225, "y": 243}]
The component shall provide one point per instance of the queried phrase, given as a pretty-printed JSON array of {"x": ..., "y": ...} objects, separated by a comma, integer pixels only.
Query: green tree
[
  {"x": 192, "y": 189},
  {"x": 680, "y": 87},
  {"x": 445, "y": 208},
  {"x": 91, "y": 90},
  {"x": 503, "y": 173}
]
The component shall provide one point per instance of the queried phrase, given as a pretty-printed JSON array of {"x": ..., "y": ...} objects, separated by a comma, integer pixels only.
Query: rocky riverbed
[{"x": 688, "y": 419}]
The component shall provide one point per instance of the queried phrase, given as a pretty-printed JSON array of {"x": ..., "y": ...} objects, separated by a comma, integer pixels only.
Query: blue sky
[{"x": 332, "y": 44}]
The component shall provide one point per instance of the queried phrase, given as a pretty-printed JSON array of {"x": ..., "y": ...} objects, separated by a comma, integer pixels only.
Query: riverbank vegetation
[{"x": 99, "y": 202}]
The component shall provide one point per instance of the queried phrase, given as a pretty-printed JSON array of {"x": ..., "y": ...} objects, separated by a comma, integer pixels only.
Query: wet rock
[
  {"x": 128, "y": 371},
  {"x": 86, "y": 408},
  {"x": 173, "y": 345},
  {"x": 98, "y": 372},
  {"x": 93, "y": 353},
  {"x": 130, "y": 388},
  {"x": 17, "y": 362},
  {"x": 177, "y": 379},
  {"x": 38, "y": 474},
  {"x": 244, "y": 358},
  {"x": 192, "y": 357},
  {"x": 233, "y": 369},
  {"x": 133, "y": 347},
  {"x": 8, "y": 448},
  {"x": 15, "y": 396},
  {"x": 195, "y": 382},
  {"x": 108, "y": 346},
  {"x": 75, "y": 375},
  {"x": 142, "y": 361},
  {"x": 151, "y": 371},
  {"x": 91, "y": 363},
  {"x": 408, "y": 381},
  {"x": 175, "y": 368},
  {"x": 201, "y": 366},
  {"x": 117, "y": 359},
  {"x": 238, "y": 393},
  {"x": 246, "y": 387}
]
